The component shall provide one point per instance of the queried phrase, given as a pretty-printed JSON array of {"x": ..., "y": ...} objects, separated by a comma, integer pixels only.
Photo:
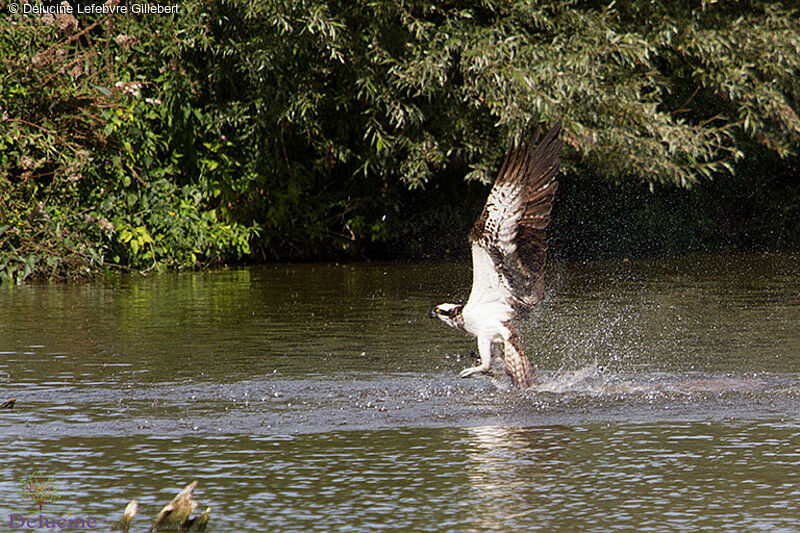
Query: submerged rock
[
  {"x": 199, "y": 523},
  {"x": 175, "y": 515},
  {"x": 127, "y": 517}
]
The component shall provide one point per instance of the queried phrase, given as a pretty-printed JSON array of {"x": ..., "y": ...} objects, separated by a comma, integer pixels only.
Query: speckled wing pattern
[{"x": 511, "y": 228}]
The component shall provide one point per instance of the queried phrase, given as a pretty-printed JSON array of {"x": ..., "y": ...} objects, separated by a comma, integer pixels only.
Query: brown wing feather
[{"x": 513, "y": 222}]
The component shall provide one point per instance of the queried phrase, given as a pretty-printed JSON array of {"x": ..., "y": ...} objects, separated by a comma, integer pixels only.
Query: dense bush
[
  {"x": 289, "y": 129},
  {"x": 98, "y": 134}
]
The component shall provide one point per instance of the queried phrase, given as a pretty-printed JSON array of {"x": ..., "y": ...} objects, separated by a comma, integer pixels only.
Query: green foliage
[
  {"x": 353, "y": 102},
  {"x": 660, "y": 92},
  {"x": 95, "y": 151},
  {"x": 321, "y": 128}
]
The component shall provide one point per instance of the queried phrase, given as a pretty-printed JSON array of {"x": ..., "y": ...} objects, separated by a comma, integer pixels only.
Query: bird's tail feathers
[{"x": 517, "y": 364}]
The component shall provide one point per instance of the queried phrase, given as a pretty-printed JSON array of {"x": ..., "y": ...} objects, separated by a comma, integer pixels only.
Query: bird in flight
[{"x": 508, "y": 253}]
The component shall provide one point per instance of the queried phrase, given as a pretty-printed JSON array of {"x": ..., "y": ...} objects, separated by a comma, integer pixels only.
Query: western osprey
[{"x": 508, "y": 254}]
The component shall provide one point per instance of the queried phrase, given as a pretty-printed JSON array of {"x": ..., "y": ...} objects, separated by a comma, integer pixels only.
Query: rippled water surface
[{"x": 321, "y": 397}]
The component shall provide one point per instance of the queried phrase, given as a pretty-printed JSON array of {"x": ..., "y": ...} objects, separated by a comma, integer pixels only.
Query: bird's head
[{"x": 450, "y": 314}]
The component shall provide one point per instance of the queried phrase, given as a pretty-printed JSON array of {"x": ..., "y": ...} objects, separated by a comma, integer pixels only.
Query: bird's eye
[{"x": 437, "y": 310}]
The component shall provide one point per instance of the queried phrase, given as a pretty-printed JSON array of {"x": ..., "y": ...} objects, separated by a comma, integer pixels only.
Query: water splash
[{"x": 586, "y": 380}]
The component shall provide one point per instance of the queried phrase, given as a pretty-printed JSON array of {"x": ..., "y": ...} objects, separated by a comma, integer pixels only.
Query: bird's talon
[{"x": 467, "y": 372}]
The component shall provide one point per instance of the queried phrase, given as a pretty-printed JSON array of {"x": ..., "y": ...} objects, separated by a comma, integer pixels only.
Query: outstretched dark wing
[{"x": 511, "y": 228}]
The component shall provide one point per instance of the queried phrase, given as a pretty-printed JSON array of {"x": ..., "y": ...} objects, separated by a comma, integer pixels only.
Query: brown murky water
[{"x": 321, "y": 397}]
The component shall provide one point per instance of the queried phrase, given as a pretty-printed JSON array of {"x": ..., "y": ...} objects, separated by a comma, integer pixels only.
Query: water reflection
[
  {"x": 731, "y": 476},
  {"x": 505, "y": 468}
]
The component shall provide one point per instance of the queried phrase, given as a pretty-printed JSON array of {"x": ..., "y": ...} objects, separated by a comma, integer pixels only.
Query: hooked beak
[{"x": 432, "y": 314}]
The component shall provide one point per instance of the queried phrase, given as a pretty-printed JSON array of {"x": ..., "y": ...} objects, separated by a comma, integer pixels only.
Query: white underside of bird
[
  {"x": 486, "y": 310},
  {"x": 508, "y": 254}
]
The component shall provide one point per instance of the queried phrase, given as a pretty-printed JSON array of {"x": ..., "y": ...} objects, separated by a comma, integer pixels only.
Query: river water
[{"x": 321, "y": 398}]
